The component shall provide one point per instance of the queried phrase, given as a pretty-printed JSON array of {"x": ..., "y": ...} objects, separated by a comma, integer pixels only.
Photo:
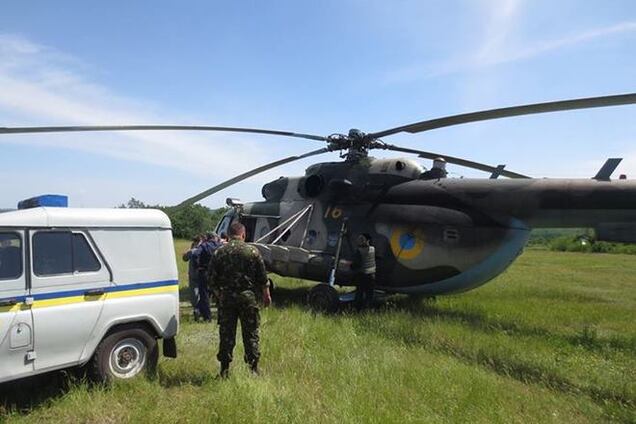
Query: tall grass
[{"x": 551, "y": 340}]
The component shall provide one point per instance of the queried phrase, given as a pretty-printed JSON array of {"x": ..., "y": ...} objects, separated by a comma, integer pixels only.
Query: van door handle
[
  {"x": 8, "y": 302},
  {"x": 94, "y": 292}
]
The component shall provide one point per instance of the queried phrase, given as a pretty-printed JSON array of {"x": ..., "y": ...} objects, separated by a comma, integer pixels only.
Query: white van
[{"x": 86, "y": 285}]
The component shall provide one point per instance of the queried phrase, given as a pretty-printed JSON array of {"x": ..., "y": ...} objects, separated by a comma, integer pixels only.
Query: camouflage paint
[{"x": 431, "y": 236}]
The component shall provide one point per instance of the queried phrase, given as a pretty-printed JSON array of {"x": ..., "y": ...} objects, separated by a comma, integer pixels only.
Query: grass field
[{"x": 551, "y": 340}]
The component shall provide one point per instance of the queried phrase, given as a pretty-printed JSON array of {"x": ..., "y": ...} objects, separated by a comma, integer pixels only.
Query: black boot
[
  {"x": 225, "y": 370},
  {"x": 254, "y": 368}
]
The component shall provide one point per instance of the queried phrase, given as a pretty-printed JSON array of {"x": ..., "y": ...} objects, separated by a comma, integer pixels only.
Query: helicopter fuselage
[{"x": 431, "y": 236}]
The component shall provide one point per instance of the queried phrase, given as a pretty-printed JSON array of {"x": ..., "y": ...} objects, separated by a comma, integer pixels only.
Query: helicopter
[{"x": 433, "y": 235}]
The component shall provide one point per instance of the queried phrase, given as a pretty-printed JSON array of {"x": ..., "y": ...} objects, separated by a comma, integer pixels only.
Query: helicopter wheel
[{"x": 323, "y": 298}]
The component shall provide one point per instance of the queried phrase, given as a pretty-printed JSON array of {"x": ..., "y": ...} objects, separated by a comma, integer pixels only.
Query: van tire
[{"x": 123, "y": 354}]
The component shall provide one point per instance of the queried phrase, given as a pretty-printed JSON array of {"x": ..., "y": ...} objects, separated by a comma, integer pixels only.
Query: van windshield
[{"x": 10, "y": 256}]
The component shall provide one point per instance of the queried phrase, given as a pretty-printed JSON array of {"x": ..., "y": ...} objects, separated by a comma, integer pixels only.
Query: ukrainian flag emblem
[{"x": 406, "y": 243}]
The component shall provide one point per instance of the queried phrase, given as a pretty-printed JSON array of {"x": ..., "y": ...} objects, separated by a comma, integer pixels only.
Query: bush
[
  {"x": 187, "y": 221},
  {"x": 544, "y": 236},
  {"x": 576, "y": 244}
]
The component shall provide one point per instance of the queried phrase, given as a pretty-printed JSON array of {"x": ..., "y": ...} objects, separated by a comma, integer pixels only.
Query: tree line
[
  {"x": 576, "y": 240},
  {"x": 187, "y": 221}
]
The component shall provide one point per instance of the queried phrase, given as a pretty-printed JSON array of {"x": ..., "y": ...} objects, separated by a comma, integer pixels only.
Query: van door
[
  {"x": 68, "y": 283},
  {"x": 16, "y": 321}
]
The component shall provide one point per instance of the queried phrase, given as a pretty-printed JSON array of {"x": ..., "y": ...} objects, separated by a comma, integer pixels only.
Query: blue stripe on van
[{"x": 82, "y": 292}]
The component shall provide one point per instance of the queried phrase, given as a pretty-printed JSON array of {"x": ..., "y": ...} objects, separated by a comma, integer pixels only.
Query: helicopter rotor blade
[
  {"x": 457, "y": 161},
  {"x": 31, "y": 130},
  {"x": 447, "y": 121},
  {"x": 248, "y": 174}
]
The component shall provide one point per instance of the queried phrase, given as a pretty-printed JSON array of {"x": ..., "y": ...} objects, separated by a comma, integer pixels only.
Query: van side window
[
  {"x": 84, "y": 260},
  {"x": 10, "y": 256},
  {"x": 62, "y": 252},
  {"x": 52, "y": 253}
]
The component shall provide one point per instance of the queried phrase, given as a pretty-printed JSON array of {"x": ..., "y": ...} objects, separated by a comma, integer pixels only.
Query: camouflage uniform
[{"x": 237, "y": 274}]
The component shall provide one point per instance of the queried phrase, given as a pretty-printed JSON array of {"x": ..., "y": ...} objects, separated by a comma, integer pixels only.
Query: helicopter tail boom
[{"x": 537, "y": 203}]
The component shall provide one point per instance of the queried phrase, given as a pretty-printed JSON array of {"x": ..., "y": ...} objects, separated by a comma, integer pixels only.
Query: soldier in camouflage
[{"x": 237, "y": 277}]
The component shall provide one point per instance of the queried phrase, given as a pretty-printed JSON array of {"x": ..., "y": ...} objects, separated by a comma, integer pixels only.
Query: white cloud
[
  {"x": 496, "y": 47},
  {"x": 12, "y": 44},
  {"x": 40, "y": 85},
  {"x": 498, "y": 28},
  {"x": 550, "y": 45},
  {"x": 43, "y": 86}
]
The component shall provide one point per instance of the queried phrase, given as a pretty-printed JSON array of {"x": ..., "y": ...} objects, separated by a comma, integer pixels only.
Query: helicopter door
[{"x": 226, "y": 221}]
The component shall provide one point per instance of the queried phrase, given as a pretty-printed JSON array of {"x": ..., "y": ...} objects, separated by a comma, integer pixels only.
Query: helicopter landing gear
[
  {"x": 323, "y": 298},
  {"x": 272, "y": 287}
]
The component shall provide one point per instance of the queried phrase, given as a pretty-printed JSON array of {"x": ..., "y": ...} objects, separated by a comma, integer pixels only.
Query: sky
[{"x": 314, "y": 67}]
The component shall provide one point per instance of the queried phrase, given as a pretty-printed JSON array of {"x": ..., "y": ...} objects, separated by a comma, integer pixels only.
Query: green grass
[{"x": 551, "y": 340}]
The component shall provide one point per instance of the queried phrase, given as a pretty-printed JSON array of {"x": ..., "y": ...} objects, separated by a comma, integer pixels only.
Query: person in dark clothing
[
  {"x": 363, "y": 267},
  {"x": 193, "y": 278},
  {"x": 203, "y": 255}
]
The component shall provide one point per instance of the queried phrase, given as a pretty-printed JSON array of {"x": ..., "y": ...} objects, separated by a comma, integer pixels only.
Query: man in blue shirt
[{"x": 203, "y": 254}]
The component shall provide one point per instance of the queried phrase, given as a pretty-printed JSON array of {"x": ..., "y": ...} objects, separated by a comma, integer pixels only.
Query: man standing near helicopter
[
  {"x": 193, "y": 277},
  {"x": 363, "y": 267},
  {"x": 237, "y": 277}
]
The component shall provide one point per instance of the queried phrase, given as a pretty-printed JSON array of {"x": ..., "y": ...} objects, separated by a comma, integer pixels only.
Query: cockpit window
[
  {"x": 223, "y": 225},
  {"x": 10, "y": 256}
]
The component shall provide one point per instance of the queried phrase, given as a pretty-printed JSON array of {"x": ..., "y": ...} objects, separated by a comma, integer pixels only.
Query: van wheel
[{"x": 124, "y": 354}]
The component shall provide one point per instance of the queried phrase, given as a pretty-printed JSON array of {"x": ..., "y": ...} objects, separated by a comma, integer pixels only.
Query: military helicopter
[{"x": 433, "y": 235}]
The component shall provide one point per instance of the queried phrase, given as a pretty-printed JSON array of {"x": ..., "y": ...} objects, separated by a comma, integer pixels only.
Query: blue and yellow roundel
[{"x": 406, "y": 243}]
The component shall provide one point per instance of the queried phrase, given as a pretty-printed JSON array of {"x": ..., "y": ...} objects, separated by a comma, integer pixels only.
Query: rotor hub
[{"x": 356, "y": 143}]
